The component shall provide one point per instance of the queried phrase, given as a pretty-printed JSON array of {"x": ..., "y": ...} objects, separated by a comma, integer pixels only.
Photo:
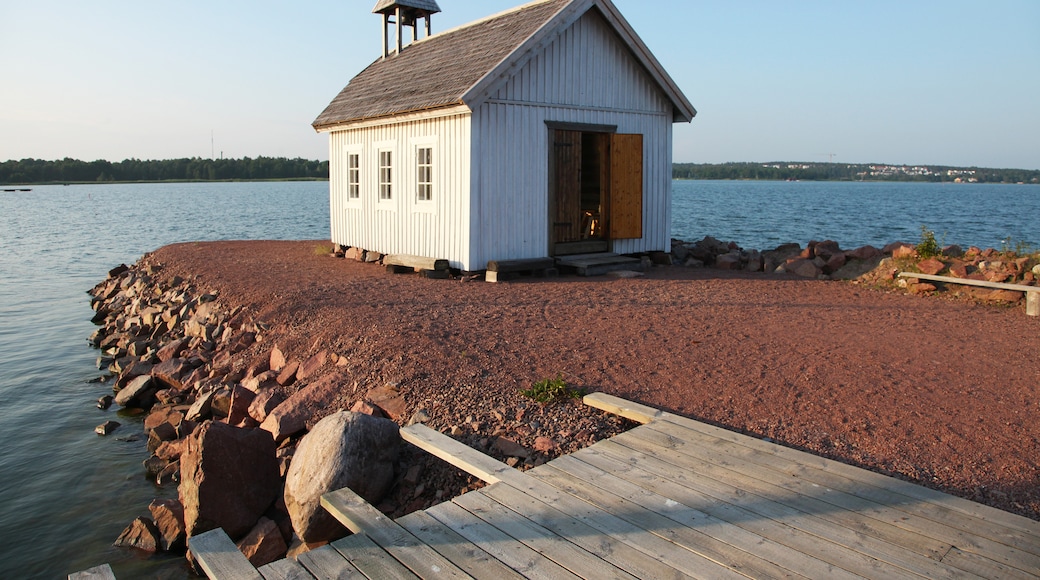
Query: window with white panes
[
  {"x": 354, "y": 176},
  {"x": 386, "y": 185},
  {"x": 424, "y": 173}
]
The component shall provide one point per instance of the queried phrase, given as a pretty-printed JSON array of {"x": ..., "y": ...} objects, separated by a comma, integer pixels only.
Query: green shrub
[
  {"x": 552, "y": 390},
  {"x": 928, "y": 247}
]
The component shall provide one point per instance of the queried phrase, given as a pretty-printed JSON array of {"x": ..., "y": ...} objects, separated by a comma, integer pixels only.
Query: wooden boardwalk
[{"x": 672, "y": 498}]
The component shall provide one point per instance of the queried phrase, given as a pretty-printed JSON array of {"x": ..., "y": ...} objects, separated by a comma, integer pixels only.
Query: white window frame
[
  {"x": 386, "y": 186},
  {"x": 353, "y": 173},
  {"x": 424, "y": 174},
  {"x": 435, "y": 174}
]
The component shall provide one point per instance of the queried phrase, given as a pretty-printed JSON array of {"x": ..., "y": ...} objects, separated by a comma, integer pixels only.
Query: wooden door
[
  {"x": 626, "y": 187},
  {"x": 565, "y": 192}
]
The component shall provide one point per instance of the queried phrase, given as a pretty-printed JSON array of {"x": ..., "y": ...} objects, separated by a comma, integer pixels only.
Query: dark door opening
[{"x": 595, "y": 190}]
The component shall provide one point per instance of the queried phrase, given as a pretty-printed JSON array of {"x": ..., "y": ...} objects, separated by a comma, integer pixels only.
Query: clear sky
[{"x": 947, "y": 82}]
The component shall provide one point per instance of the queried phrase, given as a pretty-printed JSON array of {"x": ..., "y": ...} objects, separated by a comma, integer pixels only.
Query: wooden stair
[{"x": 599, "y": 264}]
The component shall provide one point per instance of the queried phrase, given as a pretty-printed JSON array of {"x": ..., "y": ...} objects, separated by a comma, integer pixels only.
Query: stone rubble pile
[{"x": 224, "y": 415}]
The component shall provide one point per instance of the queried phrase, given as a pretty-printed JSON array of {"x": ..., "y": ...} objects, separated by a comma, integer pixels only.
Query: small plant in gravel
[
  {"x": 323, "y": 249},
  {"x": 928, "y": 247},
  {"x": 553, "y": 390}
]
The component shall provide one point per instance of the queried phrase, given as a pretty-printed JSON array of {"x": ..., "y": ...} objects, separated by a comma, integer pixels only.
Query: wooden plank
[
  {"x": 102, "y": 572},
  {"x": 984, "y": 567},
  {"x": 907, "y": 496},
  {"x": 970, "y": 282},
  {"x": 910, "y": 551},
  {"x": 542, "y": 540},
  {"x": 726, "y": 461},
  {"x": 220, "y": 558},
  {"x": 1033, "y": 303},
  {"x": 361, "y": 518},
  {"x": 458, "y": 454},
  {"x": 743, "y": 550},
  {"x": 627, "y": 522},
  {"x": 462, "y": 552},
  {"x": 415, "y": 262},
  {"x": 802, "y": 532},
  {"x": 505, "y": 266},
  {"x": 868, "y": 484},
  {"x": 371, "y": 560},
  {"x": 622, "y": 408},
  {"x": 524, "y": 560},
  {"x": 286, "y": 569},
  {"x": 926, "y": 516},
  {"x": 594, "y": 541},
  {"x": 626, "y": 186},
  {"x": 327, "y": 562}
]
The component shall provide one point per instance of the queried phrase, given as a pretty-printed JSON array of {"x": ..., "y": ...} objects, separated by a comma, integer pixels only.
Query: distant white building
[{"x": 542, "y": 131}]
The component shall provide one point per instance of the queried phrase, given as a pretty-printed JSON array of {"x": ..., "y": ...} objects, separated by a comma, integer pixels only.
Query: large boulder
[
  {"x": 345, "y": 449},
  {"x": 229, "y": 477}
]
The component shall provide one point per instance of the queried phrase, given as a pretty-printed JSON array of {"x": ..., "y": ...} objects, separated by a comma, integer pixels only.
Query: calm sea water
[{"x": 65, "y": 493}]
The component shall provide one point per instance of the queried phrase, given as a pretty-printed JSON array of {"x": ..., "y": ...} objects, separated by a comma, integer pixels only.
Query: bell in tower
[{"x": 404, "y": 13}]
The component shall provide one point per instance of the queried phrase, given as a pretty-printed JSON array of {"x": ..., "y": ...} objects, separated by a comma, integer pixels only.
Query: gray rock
[
  {"x": 342, "y": 450},
  {"x": 106, "y": 427},
  {"x": 139, "y": 393}
]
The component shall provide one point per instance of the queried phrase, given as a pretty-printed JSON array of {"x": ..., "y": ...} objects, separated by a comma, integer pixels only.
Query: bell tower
[{"x": 404, "y": 13}]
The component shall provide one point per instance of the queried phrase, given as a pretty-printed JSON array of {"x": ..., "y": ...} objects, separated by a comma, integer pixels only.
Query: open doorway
[{"x": 595, "y": 190}]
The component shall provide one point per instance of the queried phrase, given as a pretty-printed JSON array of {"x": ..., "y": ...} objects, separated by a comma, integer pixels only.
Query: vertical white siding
[
  {"x": 437, "y": 229},
  {"x": 585, "y": 76}
]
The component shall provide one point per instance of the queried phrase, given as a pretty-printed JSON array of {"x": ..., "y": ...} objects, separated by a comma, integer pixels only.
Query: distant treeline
[
  {"x": 786, "y": 170},
  {"x": 193, "y": 169},
  {"x": 27, "y": 171}
]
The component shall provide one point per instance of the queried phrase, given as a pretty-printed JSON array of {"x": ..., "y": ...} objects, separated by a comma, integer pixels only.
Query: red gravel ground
[{"x": 943, "y": 393}]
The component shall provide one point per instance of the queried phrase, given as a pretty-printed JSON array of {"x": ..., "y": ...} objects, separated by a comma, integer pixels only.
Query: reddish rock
[
  {"x": 544, "y": 444},
  {"x": 171, "y": 373},
  {"x": 356, "y": 254},
  {"x": 904, "y": 252},
  {"x": 277, "y": 359},
  {"x": 991, "y": 276},
  {"x": 264, "y": 543},
  {"x": 828, "y": 248},
  {"x": 921, "y": 288},
  {"x": 171, "y": 450},
  {"x": 390, "y": 400},
  {"x": 172, "y": 350},
  {"x": 366, "y": 408},
  {"x": 229, "y": 478},
  {"x": 291, "y": 416},
  {"x": 931, "y": 266},
  {"x": 1004, "y": 296},
  {"x": 891, "y": 248},
  {"x": 161, "y": 415},
  {"x": 264, "y": 380},
  {"x": 834, "y": 262},
  {"x": 728, "y": 262},
  {"x": 140, "y": 534},
  {"x": 959, "y": 270},
  {"x": 132, "y": 371},
  {"x": 804, "y": 268},
  {"x": 241, "y": 400},
  {"x": 220, "y": 406},
  {"x": 311, "y": 366},
  {"x": 264, "y": 403},
  {"x": 864, "y": 253},
  {"x": 168, "y": 515},
  {"x": 288, "y": 374}
]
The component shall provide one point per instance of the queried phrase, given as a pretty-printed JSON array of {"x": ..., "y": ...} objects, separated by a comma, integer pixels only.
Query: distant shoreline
[{"x": 288, "y": 179}]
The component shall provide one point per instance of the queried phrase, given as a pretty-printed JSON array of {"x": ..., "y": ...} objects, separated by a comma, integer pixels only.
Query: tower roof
[{"x": 389, "y": 6}]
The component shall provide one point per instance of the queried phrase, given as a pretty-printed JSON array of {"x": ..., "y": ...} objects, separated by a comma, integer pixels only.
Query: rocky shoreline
[{"x": 228, "y": 407}]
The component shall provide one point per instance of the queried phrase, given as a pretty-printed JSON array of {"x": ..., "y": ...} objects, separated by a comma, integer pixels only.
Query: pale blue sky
[{"x": 904, "y": 82}]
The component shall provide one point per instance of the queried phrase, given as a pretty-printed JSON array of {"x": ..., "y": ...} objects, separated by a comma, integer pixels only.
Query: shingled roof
[
  {"x": 438, "y": 71},
  {"x": 427, "y": 5}
]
